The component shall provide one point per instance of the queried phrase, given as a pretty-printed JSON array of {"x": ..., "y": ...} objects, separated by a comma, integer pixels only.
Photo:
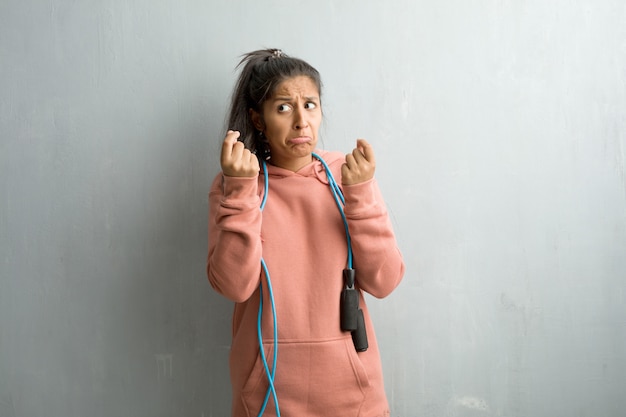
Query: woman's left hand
[{"x": 360, "y": 164}]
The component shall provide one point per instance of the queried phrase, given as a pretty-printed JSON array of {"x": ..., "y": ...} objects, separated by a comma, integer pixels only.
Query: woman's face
[{"x": 290, "y": 122}]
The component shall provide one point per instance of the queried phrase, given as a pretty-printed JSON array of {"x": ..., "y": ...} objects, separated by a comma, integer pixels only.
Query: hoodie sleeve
[
  {"x": 377, "y": 260},
  {"x": 233, "y": 264}
]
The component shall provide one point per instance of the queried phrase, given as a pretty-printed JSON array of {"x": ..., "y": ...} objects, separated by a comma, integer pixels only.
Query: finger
[
  {"x": 357, "y": 152},
  {"x": 254, "y": 162},
  {"x": 229, "y": 142},
  {"x": 351, "y": 160},
  {"x": 367, "y": 150},
  {"x": 358, "y": 156}
]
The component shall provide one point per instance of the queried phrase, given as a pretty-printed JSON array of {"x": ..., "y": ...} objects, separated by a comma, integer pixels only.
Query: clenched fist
[
  {"x": 236, "y": 160},
  {"x": 360, "y": 164}
]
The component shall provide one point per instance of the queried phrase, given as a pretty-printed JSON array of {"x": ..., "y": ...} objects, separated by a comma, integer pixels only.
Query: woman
[{"x": 302, "y": 237}]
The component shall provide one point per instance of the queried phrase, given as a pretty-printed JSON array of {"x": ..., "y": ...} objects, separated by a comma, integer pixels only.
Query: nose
[{"x": 300, "y": 121}]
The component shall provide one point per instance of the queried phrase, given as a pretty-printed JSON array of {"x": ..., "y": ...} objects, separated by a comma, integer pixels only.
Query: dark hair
[{"x": 262, "y": 72}]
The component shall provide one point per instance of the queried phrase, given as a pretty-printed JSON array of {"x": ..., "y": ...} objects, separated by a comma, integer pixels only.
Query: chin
[{"x": 304, "y": 149}]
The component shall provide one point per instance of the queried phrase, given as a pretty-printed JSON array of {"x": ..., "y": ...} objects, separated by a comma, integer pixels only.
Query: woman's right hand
[{"x": 236, "y": 160}]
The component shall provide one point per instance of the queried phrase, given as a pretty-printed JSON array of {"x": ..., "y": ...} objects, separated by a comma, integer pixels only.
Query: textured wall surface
[{"x": 500, "y": 133}]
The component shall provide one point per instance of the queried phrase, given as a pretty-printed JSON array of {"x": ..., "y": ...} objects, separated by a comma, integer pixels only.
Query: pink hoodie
[{"x": 301, "y": 236}]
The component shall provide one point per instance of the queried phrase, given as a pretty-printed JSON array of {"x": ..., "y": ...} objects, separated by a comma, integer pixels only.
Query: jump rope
[{"x": 351, "y": 315}]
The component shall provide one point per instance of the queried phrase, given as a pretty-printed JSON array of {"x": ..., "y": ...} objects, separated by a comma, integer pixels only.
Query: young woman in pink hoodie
[{"x": 296, "y": 235}]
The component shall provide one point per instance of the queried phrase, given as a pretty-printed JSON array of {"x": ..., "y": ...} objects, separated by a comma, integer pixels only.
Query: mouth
[{"x": 300, "y": 140}]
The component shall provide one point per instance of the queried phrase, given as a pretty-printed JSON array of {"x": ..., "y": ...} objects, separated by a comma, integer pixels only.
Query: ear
[{"x": 257, "y": 120}]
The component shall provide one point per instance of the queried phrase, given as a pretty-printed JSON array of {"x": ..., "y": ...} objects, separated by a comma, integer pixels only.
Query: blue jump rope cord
[
  {"x": 340, "y": 201},
  {"x": 270, "y": 374}
]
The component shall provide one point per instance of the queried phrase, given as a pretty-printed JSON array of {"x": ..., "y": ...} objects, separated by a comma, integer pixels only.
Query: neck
[{"x": 293, "y": 165}]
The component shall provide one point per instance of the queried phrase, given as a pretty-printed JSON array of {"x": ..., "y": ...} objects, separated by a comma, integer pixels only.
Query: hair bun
[{"x": 277, "y": 53}]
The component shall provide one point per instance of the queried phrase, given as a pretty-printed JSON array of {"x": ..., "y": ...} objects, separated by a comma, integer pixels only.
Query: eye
[
  {"x": 283, "y": 108},
  {"x": 310, "y": 105}
]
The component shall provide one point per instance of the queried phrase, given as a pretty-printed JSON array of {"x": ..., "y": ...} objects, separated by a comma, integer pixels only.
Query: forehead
[{"x": 297, "y": 86}]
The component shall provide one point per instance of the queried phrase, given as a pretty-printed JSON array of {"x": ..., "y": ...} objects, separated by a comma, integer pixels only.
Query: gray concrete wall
[{"x": 500, "y": 133}]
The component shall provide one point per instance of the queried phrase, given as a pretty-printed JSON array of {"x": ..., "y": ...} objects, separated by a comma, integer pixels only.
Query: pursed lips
[{"x": 299, "y": 140}]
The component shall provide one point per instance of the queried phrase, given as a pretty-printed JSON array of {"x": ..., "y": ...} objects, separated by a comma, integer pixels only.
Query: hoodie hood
[{"x": 314, "y": 169}]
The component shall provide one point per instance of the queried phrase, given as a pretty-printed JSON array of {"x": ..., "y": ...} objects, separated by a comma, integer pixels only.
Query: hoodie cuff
[
  {"x": 362, "y": 200},
  {"x": 240, "y": 191}
]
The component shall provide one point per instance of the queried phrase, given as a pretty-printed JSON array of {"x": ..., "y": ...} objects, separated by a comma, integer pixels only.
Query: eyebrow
[{"x": 288, "y": 98}]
